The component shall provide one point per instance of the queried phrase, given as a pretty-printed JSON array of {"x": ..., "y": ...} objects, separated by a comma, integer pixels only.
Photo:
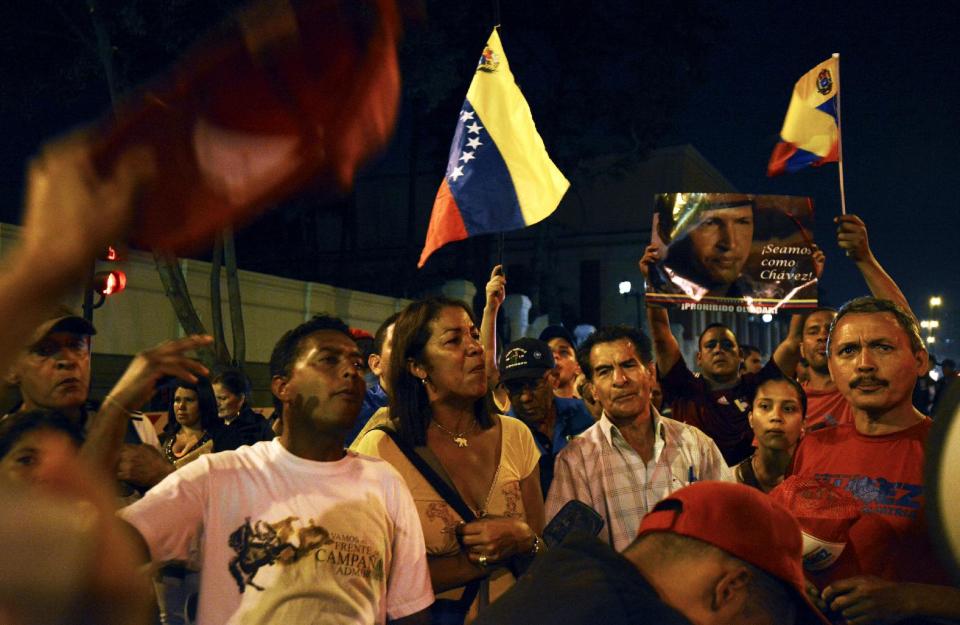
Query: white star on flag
[
  {"x": 474, "y": 143},
  {"x": 475, "y": 127},
  {"x": 457, "y": 172},
  {"x": 466, "y": 157},
  {"x": 465, "y": 115}
]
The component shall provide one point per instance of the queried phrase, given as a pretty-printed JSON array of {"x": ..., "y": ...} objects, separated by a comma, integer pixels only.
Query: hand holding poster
[{"x": 733, "y": 252}]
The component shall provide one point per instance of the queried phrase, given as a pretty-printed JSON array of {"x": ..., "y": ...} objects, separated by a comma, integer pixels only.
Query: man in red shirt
[
  {"x": 826, "y": 405},
  {"x": 888, "y": 569}
]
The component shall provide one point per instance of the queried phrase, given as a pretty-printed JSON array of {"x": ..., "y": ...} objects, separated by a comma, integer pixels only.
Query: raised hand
[
  {"x": 650, "y": 256},
  {"x": 496, "y": 287},
  {"x": 166, "y": 359},
  {"x": 852, "y": 237}
]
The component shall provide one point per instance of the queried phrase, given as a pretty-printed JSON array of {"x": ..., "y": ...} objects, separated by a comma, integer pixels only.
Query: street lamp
[
  {"x": 626, "y": 290},
  {"x": 932, "y": 324}
]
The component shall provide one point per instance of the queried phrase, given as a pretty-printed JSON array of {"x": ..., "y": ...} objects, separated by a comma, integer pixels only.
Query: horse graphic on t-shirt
[{"x": 264, "y": 544}]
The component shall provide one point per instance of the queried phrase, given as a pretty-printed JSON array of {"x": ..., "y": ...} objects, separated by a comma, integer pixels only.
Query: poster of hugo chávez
[{"x": 733, "y": 252}]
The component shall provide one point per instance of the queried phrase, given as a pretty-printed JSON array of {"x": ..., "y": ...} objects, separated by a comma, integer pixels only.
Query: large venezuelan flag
[
  {"x": 499, "y": 176},
  {"x": 810, "y": 135}
]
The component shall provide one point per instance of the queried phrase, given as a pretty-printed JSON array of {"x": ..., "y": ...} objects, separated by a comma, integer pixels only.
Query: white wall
[{"x": 141, "y": 316}]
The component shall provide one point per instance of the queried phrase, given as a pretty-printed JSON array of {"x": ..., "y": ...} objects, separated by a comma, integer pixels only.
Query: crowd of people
[{"x": 544, "y": 480}]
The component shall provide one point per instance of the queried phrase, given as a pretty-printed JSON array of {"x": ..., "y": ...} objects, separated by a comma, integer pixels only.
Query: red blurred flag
[{"x": 290, "y": 92}]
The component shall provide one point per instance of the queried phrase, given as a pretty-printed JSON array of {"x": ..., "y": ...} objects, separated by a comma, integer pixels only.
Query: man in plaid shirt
[{"x": 632, "y": 457}]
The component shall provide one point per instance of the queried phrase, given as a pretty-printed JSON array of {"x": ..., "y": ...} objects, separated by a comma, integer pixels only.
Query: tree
[{"x": 102, "y": 52}]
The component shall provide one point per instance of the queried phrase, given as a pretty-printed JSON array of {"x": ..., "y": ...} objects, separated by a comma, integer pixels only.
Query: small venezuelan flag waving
[
  {"x": 810, "y": 135},
  {"x": 499, "y": 176}
]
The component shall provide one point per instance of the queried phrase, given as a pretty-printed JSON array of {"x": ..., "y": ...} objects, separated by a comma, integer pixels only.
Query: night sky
[
  {"x": 901, "y": 125},
  {"x": 899, "y": 74}
]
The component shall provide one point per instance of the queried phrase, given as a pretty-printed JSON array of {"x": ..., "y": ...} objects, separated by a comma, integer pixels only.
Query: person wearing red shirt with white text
[{"x": 888, "y": 571}]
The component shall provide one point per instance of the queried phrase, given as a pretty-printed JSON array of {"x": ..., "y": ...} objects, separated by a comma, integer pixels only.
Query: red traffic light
[{"x": 109, "y": 282}]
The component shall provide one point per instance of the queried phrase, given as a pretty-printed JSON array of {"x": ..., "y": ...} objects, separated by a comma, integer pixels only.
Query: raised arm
[
  {"x": 135, "y": 387},
  {"x": 70, "y": 216},
  {"x": 787, "y": 354},
  {"x": 664, "y": 343},
  {"x": 852, "y": 238},
  {"x": 496, "y": 291}
]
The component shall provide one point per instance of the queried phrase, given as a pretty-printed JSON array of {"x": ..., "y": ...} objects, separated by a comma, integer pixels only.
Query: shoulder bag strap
[{"x": 449, "y": 495}]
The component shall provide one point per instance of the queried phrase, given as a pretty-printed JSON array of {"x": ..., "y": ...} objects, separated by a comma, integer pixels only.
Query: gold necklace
[{"x": 460, "y": 439}]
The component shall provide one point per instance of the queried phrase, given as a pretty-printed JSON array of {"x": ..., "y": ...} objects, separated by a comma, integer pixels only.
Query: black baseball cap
[
  {"x": 557, "y": 332},
  {"x": 524, "y": 359}
]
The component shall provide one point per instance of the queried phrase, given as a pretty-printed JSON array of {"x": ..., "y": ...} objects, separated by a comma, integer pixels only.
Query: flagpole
[
  {"x": 496, "y": 26},
  {"x": 843, "y": 194}
]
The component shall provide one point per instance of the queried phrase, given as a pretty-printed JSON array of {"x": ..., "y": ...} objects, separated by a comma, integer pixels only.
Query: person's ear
[
  {"x": 923, "y": 363},
  {"x": 12, "y": 377},
  {"x": 278, "y": 386},
  {"x": 243, "y": 399},
  {"x": 416, "y": 369},
  {"x": 731, "y": 590},
  {"x": 373, "y": 361},
  {"x": 750, "y": 419}
]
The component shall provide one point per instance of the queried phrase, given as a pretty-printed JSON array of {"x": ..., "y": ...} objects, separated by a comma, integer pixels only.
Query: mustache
[{"x": 857, "y": 381}]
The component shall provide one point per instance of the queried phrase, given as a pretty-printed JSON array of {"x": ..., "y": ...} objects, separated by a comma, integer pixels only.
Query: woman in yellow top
[{"x": 439, "y": 405}]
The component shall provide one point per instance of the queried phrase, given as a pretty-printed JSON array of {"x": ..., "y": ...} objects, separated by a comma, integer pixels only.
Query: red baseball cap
[{"x": 745, "y": 523}]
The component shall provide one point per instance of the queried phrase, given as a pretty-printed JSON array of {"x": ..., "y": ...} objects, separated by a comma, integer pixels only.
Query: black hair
[
  {"x": 381, "y": 334},
  {"x": 813, "y": 311},
  {"x": 872, "y": 305},
  {"x": 779, "y": 377},
  {"x": 749, "y": 349},
  {"x": 14, "y": 426},
  {"x": 711, "y": 326},
  {"x": 409, "y": 403},
  {"x": 206, "y": 401},
  {"x": 609, "y": 334},
  {"x": 234, "y": 381},
  {"x": 287, "y": 349}
]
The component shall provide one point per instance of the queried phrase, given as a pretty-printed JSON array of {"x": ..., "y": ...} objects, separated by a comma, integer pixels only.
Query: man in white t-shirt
[{"x": 296, "y": 530}]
